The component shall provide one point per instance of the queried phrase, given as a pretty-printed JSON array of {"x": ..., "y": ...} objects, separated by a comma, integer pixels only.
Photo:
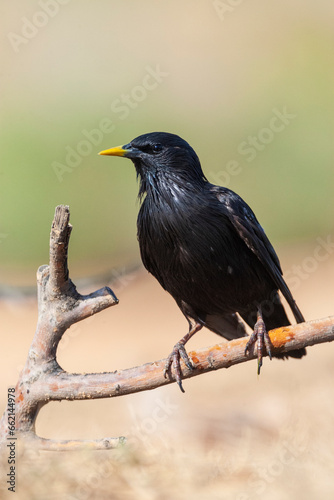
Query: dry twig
[{"x": 60, "y": 305}]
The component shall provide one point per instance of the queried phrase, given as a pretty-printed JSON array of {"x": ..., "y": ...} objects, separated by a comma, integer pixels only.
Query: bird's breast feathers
[{"x": 187, "y": 239}]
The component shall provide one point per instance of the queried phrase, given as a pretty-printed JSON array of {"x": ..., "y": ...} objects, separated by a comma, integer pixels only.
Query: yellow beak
[{"x": 117, "y": 151}]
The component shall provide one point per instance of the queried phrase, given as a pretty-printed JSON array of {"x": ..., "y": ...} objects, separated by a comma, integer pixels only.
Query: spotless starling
[{"x": 205, "y": 246}]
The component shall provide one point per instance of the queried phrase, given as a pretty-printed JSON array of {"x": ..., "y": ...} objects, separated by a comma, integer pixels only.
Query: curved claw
[
  {"x": 179, "y": 352},
  {"x": 173, "y": 360},
  {"x": 259, "y": 335}
]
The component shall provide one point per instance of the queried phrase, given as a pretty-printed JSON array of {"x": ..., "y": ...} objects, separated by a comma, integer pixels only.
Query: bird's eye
[{"x": 156, "y": 148}]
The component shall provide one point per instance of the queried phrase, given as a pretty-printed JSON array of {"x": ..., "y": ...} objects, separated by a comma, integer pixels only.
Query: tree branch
[
  {"x": 149, "y": 376},
  {"x": 60, "y": 305}
]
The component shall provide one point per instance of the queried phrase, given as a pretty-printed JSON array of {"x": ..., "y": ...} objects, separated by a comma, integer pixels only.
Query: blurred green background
[{"x": 216, "y": 73}]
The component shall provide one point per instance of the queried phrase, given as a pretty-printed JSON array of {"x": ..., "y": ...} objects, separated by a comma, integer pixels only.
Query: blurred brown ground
[{"x": 232, "y": 435}]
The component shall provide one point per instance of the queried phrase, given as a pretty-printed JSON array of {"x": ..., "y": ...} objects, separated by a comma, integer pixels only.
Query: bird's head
[{"x": 160, "y": 157}]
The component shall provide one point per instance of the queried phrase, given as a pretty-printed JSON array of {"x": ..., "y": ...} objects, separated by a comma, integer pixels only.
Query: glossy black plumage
[{"x": 204, "y": 245}]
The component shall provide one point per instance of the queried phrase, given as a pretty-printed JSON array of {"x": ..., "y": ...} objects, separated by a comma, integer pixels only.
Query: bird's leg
[
  {"x": 179, "y": 352},
  {"x": 260, "y": 335}
]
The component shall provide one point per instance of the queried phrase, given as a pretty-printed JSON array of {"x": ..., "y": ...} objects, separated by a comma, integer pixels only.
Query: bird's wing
[{"x": 251, "y": 232}]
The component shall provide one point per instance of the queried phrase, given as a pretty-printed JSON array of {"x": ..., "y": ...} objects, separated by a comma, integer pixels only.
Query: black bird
[{"x": 205, "y": 246}]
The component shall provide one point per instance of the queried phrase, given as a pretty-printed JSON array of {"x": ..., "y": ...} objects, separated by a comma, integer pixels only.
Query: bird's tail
[{"x": 292, "y": 303}]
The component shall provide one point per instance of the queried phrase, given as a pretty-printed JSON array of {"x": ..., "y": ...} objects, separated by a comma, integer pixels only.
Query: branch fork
[{"x": 59, "y": 306}]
